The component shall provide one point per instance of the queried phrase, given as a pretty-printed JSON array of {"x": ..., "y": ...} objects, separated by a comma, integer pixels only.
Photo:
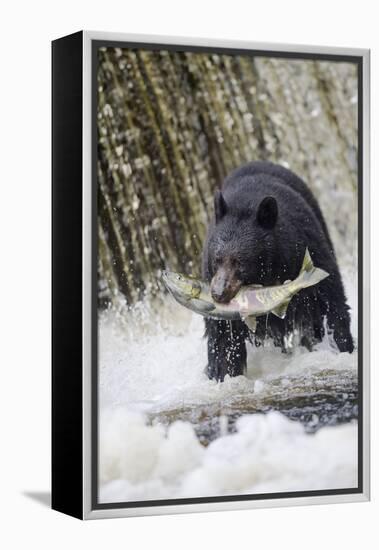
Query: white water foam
[
  {"x": 268, "y": 453},
  {"x": 152, "y": 363}
]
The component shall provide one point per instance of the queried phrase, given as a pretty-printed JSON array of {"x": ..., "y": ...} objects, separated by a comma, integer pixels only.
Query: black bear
[{"x": 265, "y": 217}]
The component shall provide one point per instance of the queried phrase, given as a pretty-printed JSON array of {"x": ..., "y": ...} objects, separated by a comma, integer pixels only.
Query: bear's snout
[{"x": 224, "y": 285}]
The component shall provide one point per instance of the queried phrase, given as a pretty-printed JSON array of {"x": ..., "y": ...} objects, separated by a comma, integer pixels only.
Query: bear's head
[{"x": 242, "y": 245}]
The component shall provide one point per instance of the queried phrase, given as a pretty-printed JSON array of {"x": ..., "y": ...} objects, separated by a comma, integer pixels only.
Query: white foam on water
[
  {"x": 268, "y": 453},
  {"x": 151, "y": 363}
]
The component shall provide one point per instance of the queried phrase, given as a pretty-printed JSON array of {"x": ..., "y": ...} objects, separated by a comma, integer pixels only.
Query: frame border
[
  {"x": 66, "y": 313},
  {"x": 92, "y": 40}
]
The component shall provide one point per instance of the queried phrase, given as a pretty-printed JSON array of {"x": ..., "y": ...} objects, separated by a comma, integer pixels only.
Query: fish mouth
[
  {"x": 168, "y": 276},
  {"x": 165, "y": 278}
]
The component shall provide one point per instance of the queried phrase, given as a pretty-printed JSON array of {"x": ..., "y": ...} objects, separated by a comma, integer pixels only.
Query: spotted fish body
[{"x": 250, "y": 302}]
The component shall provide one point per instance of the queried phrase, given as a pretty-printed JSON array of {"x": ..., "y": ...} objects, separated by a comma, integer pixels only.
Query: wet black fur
[{"x": 268, "y": 243}]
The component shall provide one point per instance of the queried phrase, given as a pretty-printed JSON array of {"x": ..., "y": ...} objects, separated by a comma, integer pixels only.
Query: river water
[{"x": 166, "y": 431}]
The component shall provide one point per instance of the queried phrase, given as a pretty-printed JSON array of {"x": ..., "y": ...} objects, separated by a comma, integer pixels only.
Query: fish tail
[{"x": 309, "y": 274}]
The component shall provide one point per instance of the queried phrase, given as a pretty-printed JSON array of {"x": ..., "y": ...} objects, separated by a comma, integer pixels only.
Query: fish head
[{"x": 181, "y": 286}]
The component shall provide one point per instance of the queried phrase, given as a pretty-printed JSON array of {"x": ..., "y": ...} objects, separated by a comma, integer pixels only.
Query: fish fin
[
  {"x": 287, "y": 281},
  {"x": 309, "y": 274},
  {"x": 253, "y": 286},
  {"x": 307, "y": 262},
  {"x": 201, "y": 305},
  {"x": 281, "y": 310},
  {"x": 251, "y": 322}
]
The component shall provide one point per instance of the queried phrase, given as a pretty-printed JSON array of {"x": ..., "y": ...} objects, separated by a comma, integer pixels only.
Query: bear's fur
[{"x": 265, "y": 217}]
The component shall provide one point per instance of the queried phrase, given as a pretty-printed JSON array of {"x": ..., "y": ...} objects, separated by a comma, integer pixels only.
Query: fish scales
[{"x": 250, "y": 302}]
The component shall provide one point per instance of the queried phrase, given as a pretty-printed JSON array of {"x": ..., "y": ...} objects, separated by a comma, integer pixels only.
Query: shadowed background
[{"x": 171, "y": 125}]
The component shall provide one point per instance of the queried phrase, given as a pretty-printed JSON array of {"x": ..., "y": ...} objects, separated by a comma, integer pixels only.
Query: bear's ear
[
  {"x": 220, "y": 206},
  {"x": 267, "y": 213}
]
